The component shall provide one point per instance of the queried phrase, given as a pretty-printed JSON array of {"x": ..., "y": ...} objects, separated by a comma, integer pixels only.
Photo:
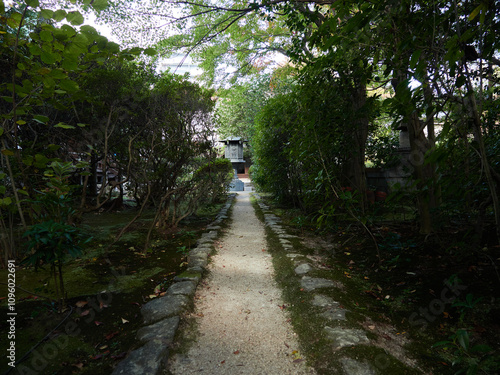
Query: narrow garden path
[{"x": 242, "y": 326}]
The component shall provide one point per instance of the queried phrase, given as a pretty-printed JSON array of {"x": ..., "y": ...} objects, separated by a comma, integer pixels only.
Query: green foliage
[
  {"x": 469, "y": 358},
  {"x": 302, "y": 144},
  {"x": 52, "y": 239},
  {"x": 51, "y": 242},
  {"x": 214, "y": 178}
]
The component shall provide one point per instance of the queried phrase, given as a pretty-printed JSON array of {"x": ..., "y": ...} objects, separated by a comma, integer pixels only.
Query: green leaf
[
  {"x": 414, "y": 58},
  {"x": 28, "y": 160},
  {"x": 64, "y": 126},
  {"x": 44, "y": 70},
  {"x": 463, "y": 338},
  {"x": 48, "y": 57},
  {"x": 100, "y": 4},
  {"x": 68, "y": 30},
  {"x": 46, "y": 36},
  {"x": 441, "y": 343},
  {"x": 113, "y": 47},
  {"x": 58, "y": 74},
  {"x": 21, "y": 122},
  {"x": 135, "y": 50},
  {"x": 460, "y": 81},
  {"x": 23, "y": 192},
  {"x": 35, "y": 50},
  {"x": 40, "y": 158},
  {"x": 78, "y": 45},
  {"x": 475, "y": 12},
  {"x": 5, "y": 201},
  {"x": 70, "y": 64},
  {"x": 7, "y": 152},
  {"x": 59, "y": 15},
  {"x": 69, "y": 86},
  {"x": 52, "y": 147},
  {"x": 33, "y": 3},
  {"x": 41, "y": 119},
  {"x": 47, "y": 13},
  {"x": 150, "y": 51},
  {"x": 88, "y": 30},
  {"x": 75, "y": 18},
  {"x": 1, "y": 131}
]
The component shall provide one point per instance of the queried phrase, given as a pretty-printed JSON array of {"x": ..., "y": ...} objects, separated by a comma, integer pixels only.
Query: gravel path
[{"x": 241, "y": 327}]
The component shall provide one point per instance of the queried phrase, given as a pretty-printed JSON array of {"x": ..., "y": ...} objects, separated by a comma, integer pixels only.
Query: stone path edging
[
  {"x": 162, "y": 315},
  {"x": 339, "y": 336}
]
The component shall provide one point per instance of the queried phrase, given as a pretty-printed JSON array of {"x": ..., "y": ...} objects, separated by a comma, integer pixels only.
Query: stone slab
[
  {"x": 353, "y": 367},
  {"x": 198, "y": 262},
  {"x": 303, "y": 269},
  {"x": 188, "y": 276},
  {"x": 186, "y": 288},
  {"x": 164, "y": 331},
  {"x": 197, "y": 269},
  {"x": 198, "y": 253},
  {"x": 343, "y": 337},
  {"x": 334, "y": 314},
  {"x": 149, "y": 359},
  {"x": 214, "y": 227},
  {"x": 164, "y": 307},
  {"x": 320, "y": 300},
  {"x": 202, "y": 241},
  {"x": 212, "y": 235},
  {"x": 312, "y": 283}
]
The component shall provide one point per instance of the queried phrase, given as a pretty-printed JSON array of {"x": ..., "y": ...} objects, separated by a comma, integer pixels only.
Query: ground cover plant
[
  {"x": 106, "y": 285},
  {"x": 440, "y": 296}
]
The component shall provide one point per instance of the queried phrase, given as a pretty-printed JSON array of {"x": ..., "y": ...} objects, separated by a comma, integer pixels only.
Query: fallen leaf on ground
[
  {"x": 85, "y": 313},
  {"x": 109, "y": 336},
  {"x": 124, "y": 321},
  {"x": 236, "y": 352},
  {"x": 81, "y": 303},
  {"x": 99, "y": 356},
  {"x": 97, "y": 323}
]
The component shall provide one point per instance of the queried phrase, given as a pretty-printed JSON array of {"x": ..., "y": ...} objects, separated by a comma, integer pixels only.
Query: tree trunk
[{"x": 353, "y": 169}]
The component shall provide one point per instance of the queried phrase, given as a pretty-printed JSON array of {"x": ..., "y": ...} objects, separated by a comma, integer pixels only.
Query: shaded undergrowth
[
  {"x": 422, "y": 292},
  {"x": 106, "y": 288}
]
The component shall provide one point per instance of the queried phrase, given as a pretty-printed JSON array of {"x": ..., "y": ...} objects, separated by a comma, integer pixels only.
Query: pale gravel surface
[{"x": 242, "y": 329}]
